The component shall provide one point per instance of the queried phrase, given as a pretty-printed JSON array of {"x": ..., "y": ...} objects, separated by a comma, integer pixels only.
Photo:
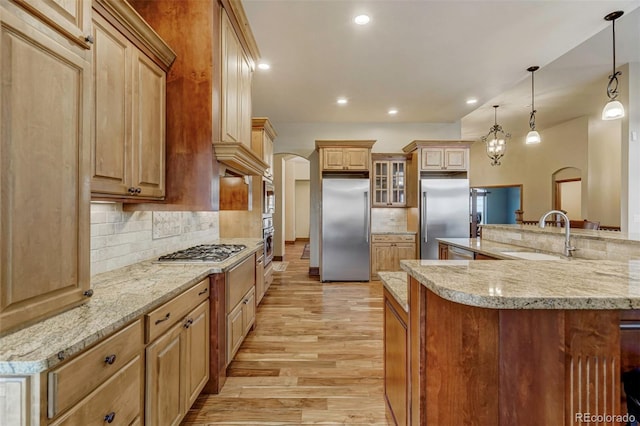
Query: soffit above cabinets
[{"x": 239, "y": 158}]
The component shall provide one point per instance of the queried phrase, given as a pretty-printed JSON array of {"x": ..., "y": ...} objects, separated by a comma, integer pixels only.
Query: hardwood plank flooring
[{"x": 315, "y": 357}]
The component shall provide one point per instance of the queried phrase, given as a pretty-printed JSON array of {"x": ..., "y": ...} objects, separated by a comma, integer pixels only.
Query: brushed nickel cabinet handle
[
  {"x": 630, "y": 326},
  {"x": 166, "y": 317},
  {"x": 89, "y": 39},
  {"x": 188, "y": 323}
]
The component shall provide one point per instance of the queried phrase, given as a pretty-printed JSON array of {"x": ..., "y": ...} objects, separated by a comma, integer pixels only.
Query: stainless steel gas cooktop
[{"x": 204, "y": 253}]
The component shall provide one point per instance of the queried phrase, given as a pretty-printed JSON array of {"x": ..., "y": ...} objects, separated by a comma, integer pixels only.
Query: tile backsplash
[
  {"x": 388, "y": 220},
  {"x": 120, "y": 238}
]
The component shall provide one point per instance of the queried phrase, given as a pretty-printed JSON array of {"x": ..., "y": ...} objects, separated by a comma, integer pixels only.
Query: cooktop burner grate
[{"x": 204, "y": 253}]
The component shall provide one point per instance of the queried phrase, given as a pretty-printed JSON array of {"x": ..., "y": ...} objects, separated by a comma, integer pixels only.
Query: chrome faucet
[{"x": 568, "y": 248}]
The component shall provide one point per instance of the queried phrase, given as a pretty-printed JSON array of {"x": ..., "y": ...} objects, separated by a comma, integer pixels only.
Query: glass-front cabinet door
[{"x": 389, "y": 183}]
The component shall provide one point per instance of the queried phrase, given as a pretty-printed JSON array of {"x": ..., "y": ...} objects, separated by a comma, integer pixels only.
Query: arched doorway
[{"x": 567, "y": 192}]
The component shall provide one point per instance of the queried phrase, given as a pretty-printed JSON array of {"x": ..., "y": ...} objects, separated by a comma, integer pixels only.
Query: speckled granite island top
[
  {"x": 396, "y": 284},
  {"x": 525, "y": 284},
  {"x": 120, "y": 296},
  {"x": 487, "y": 247}
]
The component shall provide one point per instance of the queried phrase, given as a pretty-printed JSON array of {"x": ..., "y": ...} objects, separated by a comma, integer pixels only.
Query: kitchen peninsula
[{"x": 519, "y": 342}]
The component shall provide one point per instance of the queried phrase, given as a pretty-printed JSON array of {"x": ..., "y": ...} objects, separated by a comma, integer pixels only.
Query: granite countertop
[
  {"x": 396, "y": 284},
  {"x": 531, "y": 284},
  {"x": 589, "y": 234},
  {"x": 491, "y": 248},
  {"x": 119, "y": 297}
]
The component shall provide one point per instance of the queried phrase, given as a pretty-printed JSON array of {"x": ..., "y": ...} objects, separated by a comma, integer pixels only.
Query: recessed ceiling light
[
  {"x": 342, "y": 101},
  {"x": 393, "y": 111},
  {"x": 361, "y": 19},
  {"x": 472, "y": 101},
  {"x": 264, "y": 66}
]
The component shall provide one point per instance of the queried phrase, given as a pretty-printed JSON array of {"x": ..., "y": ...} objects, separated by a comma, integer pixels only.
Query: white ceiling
[{"x": 426, "y": 57}]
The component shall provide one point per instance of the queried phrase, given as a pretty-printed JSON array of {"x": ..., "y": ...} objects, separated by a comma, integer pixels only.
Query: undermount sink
[{"x": 530, "y": 255}]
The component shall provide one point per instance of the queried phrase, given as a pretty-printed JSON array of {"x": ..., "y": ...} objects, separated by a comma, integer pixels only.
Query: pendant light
[
  {"x": 533, "y": 136},
  {"x": 496, "y": 140},
  {"x": 613, "y": 109}
]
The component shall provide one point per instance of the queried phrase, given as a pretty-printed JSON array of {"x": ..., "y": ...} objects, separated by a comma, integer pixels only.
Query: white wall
[
  {"x": 605, "y": 176},
  {"x": 289, "y": 201},
  {"x": 299, "y": 138},
  {"x": 302, "y": 208},
  {"x": 121, "y": 238},
  {"x": 630, "y": 191},
  {"x": 565, "y": 145},
  {"x": 278, "y": 217}
]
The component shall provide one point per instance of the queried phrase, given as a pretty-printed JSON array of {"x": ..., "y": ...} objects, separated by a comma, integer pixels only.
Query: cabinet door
[
  {"x": 245, "y": 99},
  {"x": 396, "y": 357},
  {"x": 432, "y": 158},
  {"x": 332, "y": 159},
  {"x": 71, "y": 18},
  {"x": 164, "y": 404},
  {"x": 404, "y": 251},
  {"x": 260, "y": 281},
  {"x": 230, "y": 119},
  {"x": 197, "y": 353},
  {"x": 356, "y": 158},
  {"x": 443, "y": 251},
  {"x": 249, "y": 310},
  {"x": 44, "y": 175},
  {"x": 111, "y": 118},
  {"x": 397, "y": 174},
  {"x": 148, "y": 140},
  {"x": 455, "y": 159},
  {"x": 380, "y": 183},
  {"x": 381, "y": 258},
  {"x": 268, "y": 156},
  {"x": 235, "y": 331}
]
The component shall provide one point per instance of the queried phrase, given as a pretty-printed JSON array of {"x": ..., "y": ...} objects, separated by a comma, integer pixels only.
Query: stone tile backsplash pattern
[
  {"x": 120, "y": 238},
  {"x": 592, "y": 245},
  {"x": 388, "y": 220}
]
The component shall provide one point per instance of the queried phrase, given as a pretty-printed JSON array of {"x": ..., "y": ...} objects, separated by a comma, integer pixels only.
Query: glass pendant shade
[
  {"x": 613, "y": 110},
  {"x": 533, "y": 137}
]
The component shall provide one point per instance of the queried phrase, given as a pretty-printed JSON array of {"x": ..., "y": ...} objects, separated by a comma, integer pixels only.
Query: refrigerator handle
[
  {"x": 366, "y": 215},
  {"x": 424, "y": 215}
]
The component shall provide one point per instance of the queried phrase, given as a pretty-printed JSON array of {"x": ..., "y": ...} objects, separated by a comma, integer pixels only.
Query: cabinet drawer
[
  {"x": 239, "y": 280},
  {"x": 75, "y": 379},
  {"x": 119, "y": 398},
  {"x": 393, "y": 238},
  {"x": 161, "y": 319}
]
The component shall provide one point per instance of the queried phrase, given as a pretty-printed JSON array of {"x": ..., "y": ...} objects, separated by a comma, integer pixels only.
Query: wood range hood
[{"x": 239, "y": 159}]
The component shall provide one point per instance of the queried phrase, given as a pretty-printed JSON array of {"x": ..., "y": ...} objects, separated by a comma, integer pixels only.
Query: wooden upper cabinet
[
  {"x": 441, "y": 156},
  {"x": 345, "y": 155},
  {"x": 237, "y": 71},
  {"x": 389, "y": 182},
  {"x": 444, "y": 158},
  {"x": 262, "y": 137},
  {"x": 128, "y": 137},
  {"x": 71, "y": 18},
  {"x": 44, "y": 174}
]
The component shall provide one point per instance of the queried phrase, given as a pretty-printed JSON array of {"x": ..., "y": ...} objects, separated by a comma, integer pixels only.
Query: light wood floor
[{"x": 314, "y": 357}]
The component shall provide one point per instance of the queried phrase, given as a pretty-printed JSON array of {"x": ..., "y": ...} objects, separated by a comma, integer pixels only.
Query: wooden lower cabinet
[
  {"x": 239, "y": 322},
  {"x": 396, "y": 361},
  {"x": 388, "y": 250},
  {"x": 260, "y": 279},
  {"x": 117, "y": 401},
  {"x": 177, "y": 368}
]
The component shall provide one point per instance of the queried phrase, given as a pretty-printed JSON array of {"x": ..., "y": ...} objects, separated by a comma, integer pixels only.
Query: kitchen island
[{"x": 520, "y": 342}]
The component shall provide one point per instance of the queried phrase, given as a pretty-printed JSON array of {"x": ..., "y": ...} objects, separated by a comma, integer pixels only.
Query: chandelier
[
  {"x": 613, "y": 109},
  {"x": 496, "y": 140}
]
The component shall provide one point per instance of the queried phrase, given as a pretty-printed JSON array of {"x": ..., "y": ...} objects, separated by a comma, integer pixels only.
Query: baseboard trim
[
  {"x": 314, "y": 271},
  {"x": 289, "y": 242},
  {"x": 304, "y": 240},
  {"x": 278, "y": 258}
]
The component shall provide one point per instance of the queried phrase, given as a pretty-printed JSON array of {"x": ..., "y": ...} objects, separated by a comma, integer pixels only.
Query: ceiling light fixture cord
[
  {"x": 532, "y": 117},
  {"x": 612, "y": 91}
]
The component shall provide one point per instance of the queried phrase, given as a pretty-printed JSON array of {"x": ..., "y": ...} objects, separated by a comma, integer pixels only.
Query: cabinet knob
[
  {"x": 131, "y": 190},
  {"x": 88, "y": 293},
  {"x": 138, "y": 190},
  {"x": 110, "y": 359},
  {"x": 109, "y": 417},
  {"x": 245, "y": 301},
  {"x": 89, "y": 39}
]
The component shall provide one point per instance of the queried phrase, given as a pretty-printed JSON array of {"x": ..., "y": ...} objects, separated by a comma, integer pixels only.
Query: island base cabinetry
[
  {"x": 396, "y": 361},
  {"x": 482, "y": 366}
]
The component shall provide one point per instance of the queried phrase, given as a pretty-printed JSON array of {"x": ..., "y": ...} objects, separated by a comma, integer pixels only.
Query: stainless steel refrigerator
[
  {"x": 345, "y": 229},
  {"x": 444, "y": 212}
]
